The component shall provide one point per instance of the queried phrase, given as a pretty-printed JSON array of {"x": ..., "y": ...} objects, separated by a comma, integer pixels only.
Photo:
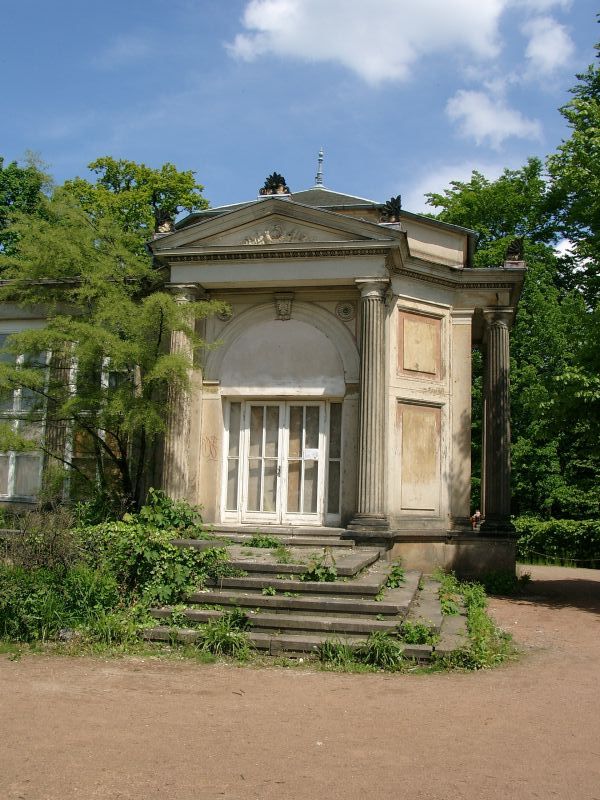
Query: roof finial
[{"x": 319, "y": 175}]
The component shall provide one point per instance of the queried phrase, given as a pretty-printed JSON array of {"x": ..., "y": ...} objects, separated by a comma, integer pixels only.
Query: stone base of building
[{"x": 468, "y": 555}]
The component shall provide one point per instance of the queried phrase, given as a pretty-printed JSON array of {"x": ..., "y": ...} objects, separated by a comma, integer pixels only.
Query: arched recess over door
[{"x": 313, "y": 354}]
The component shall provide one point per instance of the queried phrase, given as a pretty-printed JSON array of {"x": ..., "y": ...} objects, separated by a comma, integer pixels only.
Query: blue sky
[{"x": 404, "y": 96}]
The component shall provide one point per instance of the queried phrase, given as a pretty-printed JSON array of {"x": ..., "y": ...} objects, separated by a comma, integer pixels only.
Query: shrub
[
  {"x": 43, "y": 539},
  {"x": 558, "y": 540},
  {"x": 335, "y": 652}
]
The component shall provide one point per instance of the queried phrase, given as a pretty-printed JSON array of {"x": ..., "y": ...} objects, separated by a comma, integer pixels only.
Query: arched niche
[{"x": 312, "y": 354}]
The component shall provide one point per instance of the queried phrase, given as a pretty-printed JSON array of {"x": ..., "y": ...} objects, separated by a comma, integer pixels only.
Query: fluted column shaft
[
  {"x": 175, "y": 468},
  {"x": 370, "y": 504},
  {"x": 496, "y": 427}
]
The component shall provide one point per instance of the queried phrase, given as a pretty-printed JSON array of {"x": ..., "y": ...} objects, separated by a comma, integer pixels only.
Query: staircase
[{"x": 291, "y": 616}]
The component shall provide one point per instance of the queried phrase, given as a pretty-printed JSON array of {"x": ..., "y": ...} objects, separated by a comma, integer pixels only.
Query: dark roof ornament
[
  {"x": 514, "y": 251},
  {"x": 275, "y": 184},
  {"x": 391, "y": 210}
]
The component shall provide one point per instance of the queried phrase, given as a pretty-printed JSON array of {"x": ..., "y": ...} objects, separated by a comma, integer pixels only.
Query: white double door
[{"x": 282, "y": 462}]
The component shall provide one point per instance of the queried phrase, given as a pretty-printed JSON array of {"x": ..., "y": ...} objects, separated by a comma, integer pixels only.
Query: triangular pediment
[{"x": 269, "y": 223}]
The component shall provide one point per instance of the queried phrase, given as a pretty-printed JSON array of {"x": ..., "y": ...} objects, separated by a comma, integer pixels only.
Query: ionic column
[
  {"x": 175, "y": 467},
  {"x": 496, "y": 423},
  {"x": 370, "y": 507}
]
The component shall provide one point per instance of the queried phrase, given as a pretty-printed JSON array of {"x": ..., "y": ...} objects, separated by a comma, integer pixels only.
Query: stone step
[
  {"x": 302, "y": 531},
  {"x": 243, "y": 538},
  {"x": 427, "y": 609},
  {"x": 280, "y": 643},
  {"x": 396, "y": 601},
  {"x": 369, "y": 583},
  {"x": 282, "y": 621},
  {"x": 262, "y": 560}
]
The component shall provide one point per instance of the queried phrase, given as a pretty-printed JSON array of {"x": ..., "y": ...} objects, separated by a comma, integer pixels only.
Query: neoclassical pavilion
[{"x": 338, "y": 390}]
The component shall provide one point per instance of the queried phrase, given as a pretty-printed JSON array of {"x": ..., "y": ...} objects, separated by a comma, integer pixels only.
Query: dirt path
[{"x": 84, "y": 728}]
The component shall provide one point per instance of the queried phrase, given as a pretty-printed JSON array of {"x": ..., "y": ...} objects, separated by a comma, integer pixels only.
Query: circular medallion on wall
[
  {"x": 225, "y": 316},
  {"x": 345, "y": 311}
]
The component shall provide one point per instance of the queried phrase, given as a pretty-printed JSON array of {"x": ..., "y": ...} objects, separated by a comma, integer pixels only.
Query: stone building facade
[{"x": 338, "y": 390}]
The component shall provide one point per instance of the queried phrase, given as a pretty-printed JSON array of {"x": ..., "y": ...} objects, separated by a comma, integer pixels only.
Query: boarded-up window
[
  {"x": 419, "y": 448},
  {"x": 419, "y": 346}
]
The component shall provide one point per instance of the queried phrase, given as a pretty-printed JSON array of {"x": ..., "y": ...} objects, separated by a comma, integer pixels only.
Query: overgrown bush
[
  {"x": 563, "y": 540},
  {"x": 42, "y": 539}
]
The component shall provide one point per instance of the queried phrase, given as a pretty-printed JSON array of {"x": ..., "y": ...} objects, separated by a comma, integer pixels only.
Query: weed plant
[
  {"x": 321, "y": 569},
  {"x": 417, "y": 633},
  {"x": 226, "y": 636},
  {"x": 262, "y": 540},
  {"x": 381, "y": 650},
  {"x": 396, "y": 578},
  {"x": 335, "y": 653}
]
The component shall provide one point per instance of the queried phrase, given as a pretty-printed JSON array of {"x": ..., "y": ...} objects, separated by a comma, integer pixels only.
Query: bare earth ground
[{"x": 86, "y": 728}]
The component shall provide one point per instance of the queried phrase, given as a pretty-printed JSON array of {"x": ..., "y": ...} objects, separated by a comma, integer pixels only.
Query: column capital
[
  {"x": 372, "y": 287},
  {"x": 500, "y": 316},
  {"x": 185, "y": 292}
]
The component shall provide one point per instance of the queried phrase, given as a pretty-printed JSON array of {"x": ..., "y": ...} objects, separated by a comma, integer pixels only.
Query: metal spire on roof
[{"x": 319, "y": 175}]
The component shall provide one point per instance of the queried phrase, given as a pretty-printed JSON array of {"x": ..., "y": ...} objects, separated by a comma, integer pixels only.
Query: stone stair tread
[
  {"x": 369, "y": 583},
  {"x": 278, "y": 530},
  {"x": 427, "y": 609},
  {"x": 264, "y": 560},
  {"x": 237, "y": 538},
  {"x": 291, "y": 621},
  {"x": 280, "y": 643},
  {"x": 323, "y": 603}
]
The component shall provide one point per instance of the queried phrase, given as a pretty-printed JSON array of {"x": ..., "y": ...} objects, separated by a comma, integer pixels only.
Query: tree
[
  {"x": 548, "y": 342},
  {"x": 21, "y": 191},
  {"x": 108, "y": 322},
  {"x": 141, "y": 199},
  {"x": 575, "y": 173}
]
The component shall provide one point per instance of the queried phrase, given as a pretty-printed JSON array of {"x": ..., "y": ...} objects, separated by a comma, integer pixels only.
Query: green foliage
[
  {"x": 36, "y": 604},
  {"x": 396, "y": 578},
  {"x": 262, "y": 540},
  {"x": 161, "y": 512},
  {"x": 381, "y": 650},
  {"x": 43, "y": 539},
  {"x": 226, "y": 636},
  {"x": 488, "y": 646},
  {"x": 559, "y": 540},
  {"x": 21, "y": 191},
  {"x": 321, "y": 569},
  {"x": 82, "y": 258},
  {"x": 269, "y": 591},
  {"x": 417, "y": 633},
  {"x": 576, "y": 184},
  {"x": 504, "y": 582}
]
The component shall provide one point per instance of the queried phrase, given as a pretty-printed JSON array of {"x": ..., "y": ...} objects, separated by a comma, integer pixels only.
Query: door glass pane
[
  {"x": 295, "y": 445},
  {"x": 256, "y": 431},
  {"x": 294, "y": 478},
  {"x": 270, "y": 485},
  {"x": 335, "y": 430},
  {"x": 254, "y": 492},
  {"x": 234, "y": 429},
  {"x": 27, "y": 474},
  {"x": 232, "y": 484},
  {"x": 311, "y": 473},
  {"x": 311, "y": 439},
  {"x": 333, "y": 488},
  {"x": 272, "y": 431},
  {"x": 4, "y": 473}
]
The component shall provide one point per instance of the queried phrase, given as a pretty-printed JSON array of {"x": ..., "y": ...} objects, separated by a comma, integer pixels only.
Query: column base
[
  {"x": 369, "y": 522},
  {"x": 497, "y": 526}
]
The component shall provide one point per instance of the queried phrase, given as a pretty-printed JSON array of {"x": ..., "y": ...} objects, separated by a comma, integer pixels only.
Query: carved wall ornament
[
  {"x": 345, "y": 311},
  {"x": 283, "y": 305},
  {"x": 275, "y": 235},
  {"x": 225, "y": 316}
]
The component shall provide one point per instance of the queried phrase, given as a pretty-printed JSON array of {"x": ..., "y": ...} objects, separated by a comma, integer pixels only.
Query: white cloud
[
  {"x": 379, "y": 44},
  {"x": 549, "y": 46},
  {"x": 122, "y": 50},
  {"x": 542, "y": 5},
  {"x": 438, "y": 178},
  {"x": 488, "y": 120}
]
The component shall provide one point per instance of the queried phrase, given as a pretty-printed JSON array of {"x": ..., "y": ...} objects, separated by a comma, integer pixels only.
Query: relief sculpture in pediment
[{"x": 275, "y": 235}]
